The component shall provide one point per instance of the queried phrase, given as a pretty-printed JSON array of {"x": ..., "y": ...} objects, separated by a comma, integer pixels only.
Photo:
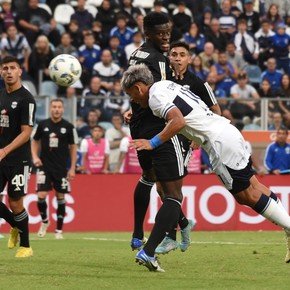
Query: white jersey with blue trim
[{"x": 201, "y": 123}]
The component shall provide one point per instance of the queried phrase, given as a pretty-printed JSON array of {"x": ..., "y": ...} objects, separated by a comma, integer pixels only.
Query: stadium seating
[
  {"x": 45, "y": 7},
  {"x": 146, "y": 4},
  {"x": 63, "y": 13},
  {"x": 254, "y": 74},
  {"x": 92, "y": 9},
  {"x": 95, "y": 3},
  {"x": 29, "y": 85}
]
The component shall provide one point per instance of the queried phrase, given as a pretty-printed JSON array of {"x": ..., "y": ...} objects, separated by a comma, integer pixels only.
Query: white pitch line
[{"x": 192, "y": 242}]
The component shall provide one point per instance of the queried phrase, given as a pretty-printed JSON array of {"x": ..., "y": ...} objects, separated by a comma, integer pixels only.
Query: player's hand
[
  {"x": 71, "y": 174},
  {"x": 37, "y": 162},
  {"x": 127, "y": 116},
  {"x": 276, "y": 172},
  {"x": 141, "y": 144}
]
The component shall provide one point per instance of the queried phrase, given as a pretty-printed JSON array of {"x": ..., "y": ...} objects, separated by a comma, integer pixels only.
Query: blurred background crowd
[{"x": 240, "y": 47}]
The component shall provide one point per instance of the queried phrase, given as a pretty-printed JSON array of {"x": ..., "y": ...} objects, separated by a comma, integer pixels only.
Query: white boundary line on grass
[{"x": 192, "y": 242}]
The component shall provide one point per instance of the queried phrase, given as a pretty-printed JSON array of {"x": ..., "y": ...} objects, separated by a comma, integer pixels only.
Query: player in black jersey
[
  {"x": 17, "y": 109},
  {"x": 166, "y": 165},
  {"x": 56, "y": 141},
  {"x": 179, "y": 54}
]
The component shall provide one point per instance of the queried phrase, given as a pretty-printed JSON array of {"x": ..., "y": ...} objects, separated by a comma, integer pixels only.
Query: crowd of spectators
[{"x": 240, "y": 47}]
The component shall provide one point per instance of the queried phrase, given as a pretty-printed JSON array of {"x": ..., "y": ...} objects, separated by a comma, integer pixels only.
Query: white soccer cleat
[
  {"x": 166, "y": 246},
  {"x": 42, "y": 230},
  {"x": 58, "y": 235}
]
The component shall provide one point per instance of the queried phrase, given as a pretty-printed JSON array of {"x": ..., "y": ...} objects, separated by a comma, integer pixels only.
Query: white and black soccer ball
[{"x": 65, "y": 70}]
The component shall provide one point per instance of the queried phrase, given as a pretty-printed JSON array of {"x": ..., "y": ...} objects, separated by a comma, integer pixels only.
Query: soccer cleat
[
  {"x": 166, "y": 246},
  {"x": 137, "y": 244},
  {"x": 185, "y": 236},
  {"x": 42, "y": 230},
  {"x": 287, "y": 257},
  {"x": 150, "y": 263},
  {"x": 58, "y": 235},
  {"x": 13, "y": 238},
  {"x": 24, "y": 252}
]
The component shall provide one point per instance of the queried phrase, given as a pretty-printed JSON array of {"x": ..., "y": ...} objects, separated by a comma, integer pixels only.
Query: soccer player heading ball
[{"x": 187, "y": 114}]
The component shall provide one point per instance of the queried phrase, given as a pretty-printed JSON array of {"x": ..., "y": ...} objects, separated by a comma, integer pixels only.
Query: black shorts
[
  {"x": 16, "y": 177},
  {"x": 48, "y": 180},
  {"x": 241, "y": 178},
  {"x": 167, "y": 160}
]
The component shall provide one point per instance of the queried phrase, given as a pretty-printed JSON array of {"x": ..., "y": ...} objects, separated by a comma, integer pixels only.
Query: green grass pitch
[{"x": 215, "y": 260}]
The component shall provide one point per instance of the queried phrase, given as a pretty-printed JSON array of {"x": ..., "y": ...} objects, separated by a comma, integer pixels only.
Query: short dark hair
[
  {"x": 57, "y": 100},
  {"x": 10, "y": 58},
  {"x": 283, "y": 128},
  {"x": 179, "y": 44},
  {"x": 154, "y": 18}
]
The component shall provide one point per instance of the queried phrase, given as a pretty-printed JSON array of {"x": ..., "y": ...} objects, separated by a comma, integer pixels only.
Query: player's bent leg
[{"x": 6, "y": 214}]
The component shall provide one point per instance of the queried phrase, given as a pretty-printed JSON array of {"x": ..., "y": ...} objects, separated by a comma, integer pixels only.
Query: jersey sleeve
[
  {"x": 84, "y": 146},
  {"x": 38, "y": 133},
  {"x": 107, "y": 147},
  {"x": 160, "y": 106},
  {"x": 28, "y": 107},
  {"x": 72, "y": 136},
  {"x": 124, "y": 145},
  {"x": 203, "y": 90}
]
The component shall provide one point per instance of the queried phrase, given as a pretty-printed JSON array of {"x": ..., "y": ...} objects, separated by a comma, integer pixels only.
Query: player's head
[
  {"x": 56, "y": 109},
  {"x": 136, "y": 82},
  {"x": 157, "y": 28},
  {"x": 179, "y": 53},
  {"x": 10, "y": 70}
]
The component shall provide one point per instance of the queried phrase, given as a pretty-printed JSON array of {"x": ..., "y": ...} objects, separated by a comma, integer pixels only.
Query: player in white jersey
[{"x": 186, "y": 114}]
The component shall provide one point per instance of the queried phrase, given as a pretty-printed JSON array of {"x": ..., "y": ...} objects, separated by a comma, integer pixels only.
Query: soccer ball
[{"x": 65, "y": 70}]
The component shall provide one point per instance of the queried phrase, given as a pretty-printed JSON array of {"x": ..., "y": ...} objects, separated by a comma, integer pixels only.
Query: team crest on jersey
[
  {"x": 14, "y": 105},
  {"x": 62, "y": 130}
]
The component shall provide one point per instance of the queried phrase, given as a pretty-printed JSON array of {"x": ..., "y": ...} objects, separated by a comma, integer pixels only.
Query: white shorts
[{"x": 228, "y": 150}]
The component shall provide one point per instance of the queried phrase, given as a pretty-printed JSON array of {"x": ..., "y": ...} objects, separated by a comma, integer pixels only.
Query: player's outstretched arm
[{"x": 175, "y": 123}]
